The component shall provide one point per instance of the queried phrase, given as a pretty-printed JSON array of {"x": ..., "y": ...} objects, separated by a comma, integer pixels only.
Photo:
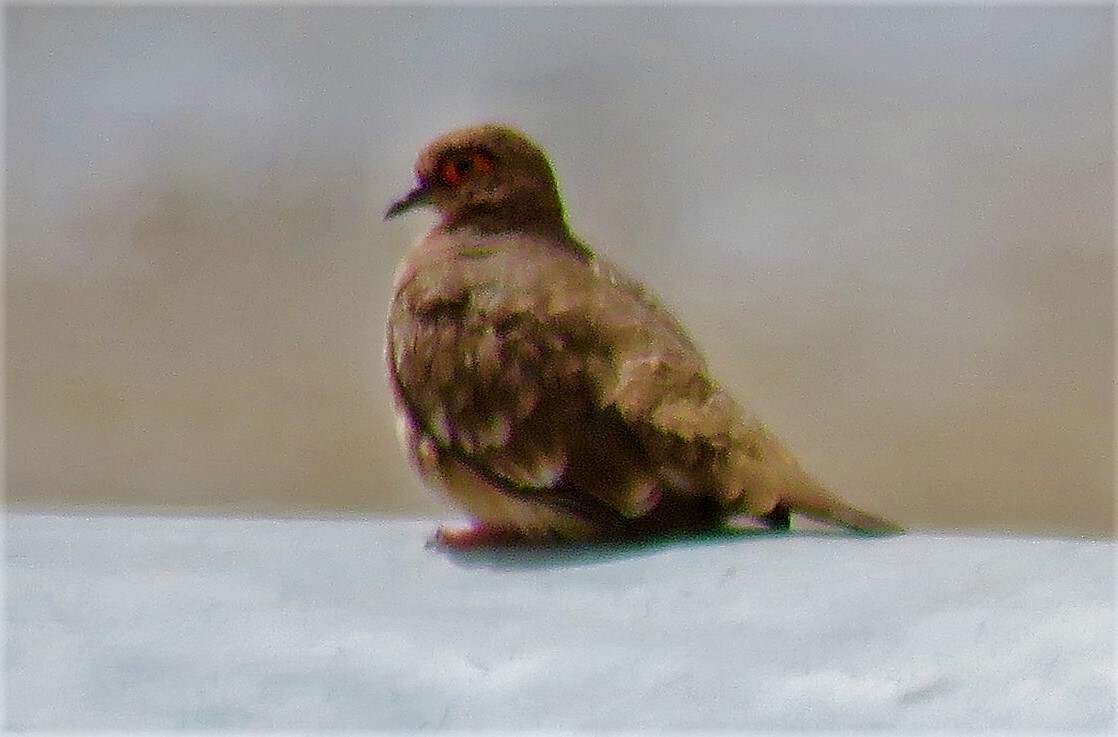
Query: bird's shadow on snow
[{"x": 528, "y": 557}]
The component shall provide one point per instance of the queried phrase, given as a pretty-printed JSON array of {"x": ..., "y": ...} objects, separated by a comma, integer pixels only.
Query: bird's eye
[{"x": 459, "y": 167}]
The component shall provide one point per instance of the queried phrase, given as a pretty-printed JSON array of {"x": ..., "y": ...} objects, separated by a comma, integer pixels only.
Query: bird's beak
[{"x": 418, "y": 197}]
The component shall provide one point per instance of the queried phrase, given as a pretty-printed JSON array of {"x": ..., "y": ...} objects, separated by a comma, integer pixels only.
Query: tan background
[{"x": 891, "y": 230}]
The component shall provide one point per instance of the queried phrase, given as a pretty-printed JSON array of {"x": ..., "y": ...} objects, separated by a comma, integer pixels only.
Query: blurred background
[{"x": 891, "y": 229}]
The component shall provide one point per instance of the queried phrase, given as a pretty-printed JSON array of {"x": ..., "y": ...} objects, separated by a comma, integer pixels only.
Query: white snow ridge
[{"x": 127, "y": 623}]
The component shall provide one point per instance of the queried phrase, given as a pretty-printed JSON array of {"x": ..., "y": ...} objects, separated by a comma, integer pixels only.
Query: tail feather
[{"x": 809, "y": 498}]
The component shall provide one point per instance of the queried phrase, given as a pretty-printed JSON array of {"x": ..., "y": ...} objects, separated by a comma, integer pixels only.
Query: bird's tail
[{"x": 809, "y": 497}]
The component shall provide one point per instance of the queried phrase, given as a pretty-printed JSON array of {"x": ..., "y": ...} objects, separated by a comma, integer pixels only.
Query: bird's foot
[{"x": 478, "y": 535}]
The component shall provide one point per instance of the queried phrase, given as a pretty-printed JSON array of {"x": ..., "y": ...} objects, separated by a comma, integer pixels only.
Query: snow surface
[{"x": 161, "y": 623}]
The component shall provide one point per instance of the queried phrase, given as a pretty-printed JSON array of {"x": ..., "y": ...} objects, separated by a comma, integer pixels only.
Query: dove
[{"x": 550, "y": 395}]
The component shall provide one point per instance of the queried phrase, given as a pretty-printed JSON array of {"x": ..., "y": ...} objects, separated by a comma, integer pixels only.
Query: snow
[{"x": 121, "y": 622}]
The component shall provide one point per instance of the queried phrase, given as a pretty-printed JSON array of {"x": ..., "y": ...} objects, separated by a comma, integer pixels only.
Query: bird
[{"x": 550, "y": 395}]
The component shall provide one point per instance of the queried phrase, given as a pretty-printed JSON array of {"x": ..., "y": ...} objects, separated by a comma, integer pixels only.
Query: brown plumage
[{"x": 546, "y": 392}]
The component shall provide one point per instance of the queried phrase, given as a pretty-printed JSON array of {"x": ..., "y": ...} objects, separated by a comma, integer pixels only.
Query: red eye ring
[{"x": 458, "y": 167}]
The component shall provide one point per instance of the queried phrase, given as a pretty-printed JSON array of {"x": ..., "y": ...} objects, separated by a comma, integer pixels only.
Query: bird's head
[{"x": 489, "y": 177}]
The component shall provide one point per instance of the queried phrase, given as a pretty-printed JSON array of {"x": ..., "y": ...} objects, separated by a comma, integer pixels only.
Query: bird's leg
[{"x": 479, "y": 535}]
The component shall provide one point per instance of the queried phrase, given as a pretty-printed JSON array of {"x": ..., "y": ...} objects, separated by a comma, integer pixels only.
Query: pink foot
[{"x": 479, "y": 535}]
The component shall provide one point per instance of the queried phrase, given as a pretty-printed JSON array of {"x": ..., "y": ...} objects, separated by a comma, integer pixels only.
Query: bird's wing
[
  {"x": 695, "y": 436},
  {"x": 699, "y": 439}
]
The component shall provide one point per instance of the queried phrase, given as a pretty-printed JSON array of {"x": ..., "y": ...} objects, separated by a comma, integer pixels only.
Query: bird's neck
[
  {"x": 529, "y": 218},
  {"x": 472, "y": 235}
]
